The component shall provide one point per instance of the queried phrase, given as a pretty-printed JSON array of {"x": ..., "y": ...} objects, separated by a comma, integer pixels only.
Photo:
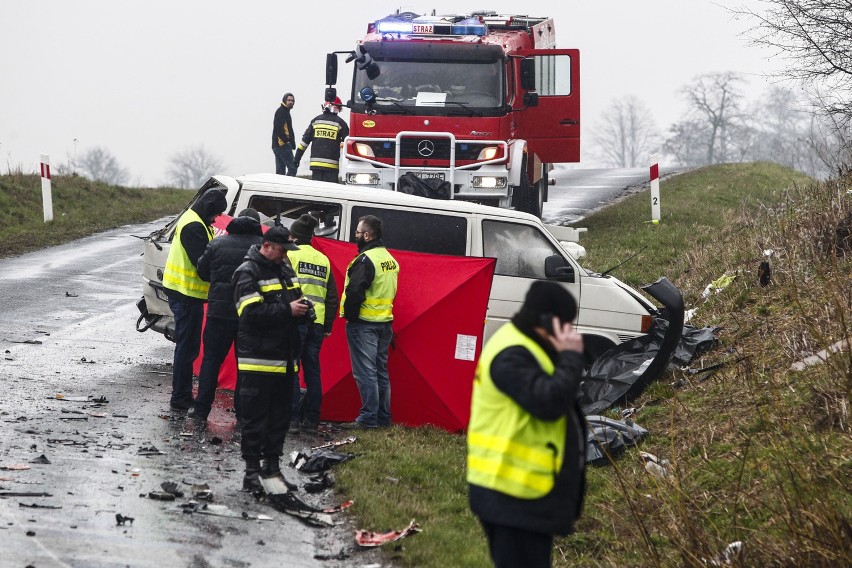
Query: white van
[{"x": 610, "y": 312}]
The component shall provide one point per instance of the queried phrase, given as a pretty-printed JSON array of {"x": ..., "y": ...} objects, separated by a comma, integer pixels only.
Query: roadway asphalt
[{"x": 67, "y": 330}]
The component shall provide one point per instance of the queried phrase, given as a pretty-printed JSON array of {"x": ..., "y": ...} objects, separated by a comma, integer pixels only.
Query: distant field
[{"x": 80, "y": 208}]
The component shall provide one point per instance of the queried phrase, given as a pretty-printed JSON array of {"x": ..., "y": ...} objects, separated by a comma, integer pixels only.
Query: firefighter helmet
[{"x": 329, "y": 105}]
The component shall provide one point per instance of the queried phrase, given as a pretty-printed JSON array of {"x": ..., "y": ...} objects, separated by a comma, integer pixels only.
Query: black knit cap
[
  {"x": 303, "y": 227},
  {"x": 281, "y": 236},
  {"x": 545, "y": 297}
]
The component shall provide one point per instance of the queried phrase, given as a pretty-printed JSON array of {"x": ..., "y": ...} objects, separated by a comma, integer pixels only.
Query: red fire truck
[{"x": 473, "y": 106}]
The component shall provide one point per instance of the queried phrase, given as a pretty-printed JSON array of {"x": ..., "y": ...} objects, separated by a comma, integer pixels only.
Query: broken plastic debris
[
  {"x": 202, "y": 491},
  {"x": 121, "y": 519},
  {"x": 161, "y": 496},
  {"x": 336, "y": 443},
  {"x": 820, "y": 357},
  {"x": 171, "y": 487},
  {"x": 42, "y": 459},
  {"x": 15, "y": 467},
  {"x": 370, "y": 538},
  {"x": 274, "y": 485},
  {"x": 37, "y": 506},
  {"x": 732, "y": 554},
  {"x": 654, "y": 465},
  {"x": 290, "y": 504},
  {"x": 319, "y": 482},
  {"x": 718, "y": 285},
  {"x": 318, "y": 461}
]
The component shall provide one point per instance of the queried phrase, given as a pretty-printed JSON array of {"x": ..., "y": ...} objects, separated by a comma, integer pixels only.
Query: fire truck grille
[{"x": 427, "y": 149}]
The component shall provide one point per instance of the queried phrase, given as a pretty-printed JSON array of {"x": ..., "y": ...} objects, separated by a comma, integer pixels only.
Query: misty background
[{"x": 164, "y": 93}]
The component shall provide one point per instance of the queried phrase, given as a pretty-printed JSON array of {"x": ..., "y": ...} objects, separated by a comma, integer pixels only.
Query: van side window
[
  {"x": 520, "y": 250},
  {"x": 417, "y": 231},
  {"x": 288, "y": 210}
]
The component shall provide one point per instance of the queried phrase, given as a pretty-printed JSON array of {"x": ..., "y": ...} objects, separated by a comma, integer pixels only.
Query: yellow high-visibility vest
[
  {"x": 313, "y": 270},
  {"x": 508, "y": 449},
  {"x": 378, "y": 303},
  {"x": 179, "y": 274}
]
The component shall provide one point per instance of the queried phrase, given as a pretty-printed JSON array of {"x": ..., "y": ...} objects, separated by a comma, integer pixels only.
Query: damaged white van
[{"x": 610, "y": 312}]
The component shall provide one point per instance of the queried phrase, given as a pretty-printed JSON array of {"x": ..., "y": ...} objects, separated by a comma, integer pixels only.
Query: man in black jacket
[
  {"x": 527, "y": 435},
  {"x": 283, "y": 137},
  {"x": 327, "y": 132},
  {"x": 270, "y": 307},
  {"x": 186, "y": 291},
  {"x": 217, "y": 265}
]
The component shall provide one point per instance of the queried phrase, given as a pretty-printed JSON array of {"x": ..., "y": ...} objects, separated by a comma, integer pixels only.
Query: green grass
[
  {"x": 758, "y": 453},
  {"x": 80, "y": 208}
]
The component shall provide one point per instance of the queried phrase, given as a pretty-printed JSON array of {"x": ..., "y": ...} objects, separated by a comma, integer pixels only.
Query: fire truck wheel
[{"x": 528, "y": 197}]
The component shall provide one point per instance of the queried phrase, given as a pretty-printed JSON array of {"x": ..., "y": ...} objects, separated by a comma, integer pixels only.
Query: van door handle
[{"x": 568, "y": 121}]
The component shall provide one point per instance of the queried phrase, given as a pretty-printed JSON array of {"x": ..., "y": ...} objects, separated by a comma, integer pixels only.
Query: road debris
[
  {"x": 370, "y": 538},
  {"x": 121, "y": 519},
  {"x": 42, "y": 459}
]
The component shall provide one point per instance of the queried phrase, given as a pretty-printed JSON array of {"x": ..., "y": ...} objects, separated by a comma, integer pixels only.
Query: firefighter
[
  {"x": 327, "y": 132},
  {"x": 313, "y": 269},
  {"x": 269, "y": 307},
  {"x": 187, "y": 292},
  {"x": 527, "y": 436}
]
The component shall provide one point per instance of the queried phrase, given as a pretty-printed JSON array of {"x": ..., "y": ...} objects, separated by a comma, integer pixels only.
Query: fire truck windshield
[{"x": 434, "y": 87}]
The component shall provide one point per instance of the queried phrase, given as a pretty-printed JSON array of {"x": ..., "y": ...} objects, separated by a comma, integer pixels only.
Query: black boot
[
  {"x": 251, "y": 480},
  {"x": 270, "y": 467}
]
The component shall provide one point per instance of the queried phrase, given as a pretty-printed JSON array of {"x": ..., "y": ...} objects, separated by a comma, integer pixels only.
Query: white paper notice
[
  {"x": 430, "y": 99},
  {"x": 465, "y": 347}
]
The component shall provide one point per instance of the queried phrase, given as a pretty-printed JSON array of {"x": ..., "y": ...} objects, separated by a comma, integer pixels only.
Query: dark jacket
[
  {"x": 282, "y": 128},
  {"x": 325, "y": 153},
  {"x": 267, "y": 329},
  {"x": 194, "y": 236},
  {"x": 516, "y": 372},
  {"x": 361, "y": 274},
  {"x": 219, "y": 261}
]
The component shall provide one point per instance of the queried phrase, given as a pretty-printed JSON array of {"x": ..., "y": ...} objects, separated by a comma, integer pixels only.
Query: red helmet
[{"x": 336, "y": 103}]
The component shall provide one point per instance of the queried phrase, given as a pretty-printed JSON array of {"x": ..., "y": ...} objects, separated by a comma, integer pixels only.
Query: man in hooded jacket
[
  {"x": 216, "y": 266},
  {"x": 527, "y": 435},
  {"x": 186, "y": 291}
]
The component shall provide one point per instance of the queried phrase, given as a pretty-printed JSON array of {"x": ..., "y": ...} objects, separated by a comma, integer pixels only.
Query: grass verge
[
  {"x": 759, "y": 453},
  {"x": 81, "y": 207}
]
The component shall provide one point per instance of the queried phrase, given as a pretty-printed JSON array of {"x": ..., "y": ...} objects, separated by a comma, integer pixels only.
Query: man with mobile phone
[{"x": 527, "y": 436}]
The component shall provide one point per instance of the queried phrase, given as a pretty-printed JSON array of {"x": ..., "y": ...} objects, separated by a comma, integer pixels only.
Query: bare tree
[
  {"x": 814, "y": 37},
  {"x": 626, "y": 135},
  {"x": 714, "y": 122},
  {"x": 190, "y": 168},
  {"x": 100, "y": 165}
]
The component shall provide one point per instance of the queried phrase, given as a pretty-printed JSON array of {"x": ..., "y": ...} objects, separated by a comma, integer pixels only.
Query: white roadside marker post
[
  {"x": 46, "y": 196},
  {"x": 655, "y": 190}
]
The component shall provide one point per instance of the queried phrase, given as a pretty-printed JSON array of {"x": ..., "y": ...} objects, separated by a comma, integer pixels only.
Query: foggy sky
[{"x": 148, "y": 79}]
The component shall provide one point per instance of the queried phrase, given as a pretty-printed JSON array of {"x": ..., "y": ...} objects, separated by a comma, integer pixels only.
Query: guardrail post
[
  {"x": 46, "y": 196},
  {"x": 655, "y": 189}
]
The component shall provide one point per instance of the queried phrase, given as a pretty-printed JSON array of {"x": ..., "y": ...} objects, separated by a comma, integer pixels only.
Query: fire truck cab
[{"x": 473, "y": 107}]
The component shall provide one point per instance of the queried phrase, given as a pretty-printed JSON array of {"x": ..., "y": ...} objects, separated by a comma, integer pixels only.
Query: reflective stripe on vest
[
  {"x": 508, "y": 449},
  {"x": 254, "y": 365},
  {"x": 378, "y": 301},
  {"x": 313, "y": 270},
  {"x": 179, "y": 274}
]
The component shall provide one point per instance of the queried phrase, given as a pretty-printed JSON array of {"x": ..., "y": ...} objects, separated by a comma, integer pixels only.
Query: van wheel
[
  {"x": 528, "y": 197},
  {"x": 593, "y": 347}
]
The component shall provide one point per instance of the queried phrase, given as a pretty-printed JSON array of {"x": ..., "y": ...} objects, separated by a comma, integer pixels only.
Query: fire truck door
[{"x": 552, "y": 129}]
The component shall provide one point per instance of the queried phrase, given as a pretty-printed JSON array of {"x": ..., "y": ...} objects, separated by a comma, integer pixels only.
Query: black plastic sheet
[
  {"x": 612, "y": 437},
  {"x": 432, "y": 188}
]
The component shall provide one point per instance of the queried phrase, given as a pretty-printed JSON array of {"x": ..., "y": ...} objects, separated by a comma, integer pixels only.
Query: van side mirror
[
  {"x": 557, "y": 268},
  {"x": 528, "y": 74},
  {"x": 330, "y": 69}
]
